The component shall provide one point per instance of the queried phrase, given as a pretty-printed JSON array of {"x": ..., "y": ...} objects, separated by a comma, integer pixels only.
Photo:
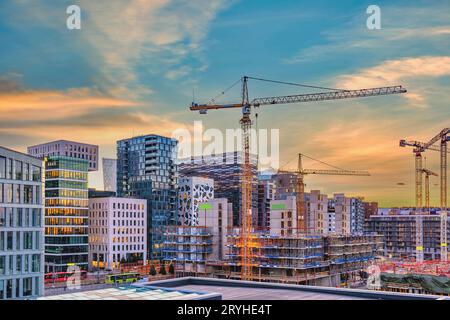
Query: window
[
  {"x": 2, "y": 265},
  {"x": 2, "y": 167},
  {"x": 35, "y": 267},
  {"x": 27, "y": 287},
  {"x": 19, "y": 171},
  {"x": 2, "y": 220},
  {"x": 36, "y": 173},
  {"x": 27, "y": 194},
  {"x": 9, "y": 240}
]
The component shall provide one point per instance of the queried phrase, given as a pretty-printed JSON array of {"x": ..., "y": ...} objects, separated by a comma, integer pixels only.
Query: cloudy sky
[{"x": 133, "y": 66}]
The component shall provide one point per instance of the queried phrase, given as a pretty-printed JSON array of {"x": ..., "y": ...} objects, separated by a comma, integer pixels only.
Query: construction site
[{"x": 416, "y": 242}]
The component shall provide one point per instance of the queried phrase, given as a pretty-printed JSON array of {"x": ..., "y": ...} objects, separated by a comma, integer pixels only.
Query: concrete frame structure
[
  {"x": 21, "y": 226},
  {"x": 117, "y": 230},
  {"x": 282, "y": 217}
]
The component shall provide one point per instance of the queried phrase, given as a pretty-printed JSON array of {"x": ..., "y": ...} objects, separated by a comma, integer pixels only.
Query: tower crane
[
  {"x": 246, "y": 105},
  {"x": 419, "y": 149},
  {"x": 302, "y": 217},
  {"x": 443, "y": 137},
  {"x": 428, "y": 173}
]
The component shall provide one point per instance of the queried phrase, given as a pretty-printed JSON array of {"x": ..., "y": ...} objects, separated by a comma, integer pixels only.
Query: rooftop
[
  {"x": 134, "y": 292},
  {"x": 247, "y": 290}
]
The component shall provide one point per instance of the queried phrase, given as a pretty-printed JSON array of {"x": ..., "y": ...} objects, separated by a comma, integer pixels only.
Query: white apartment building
[
  {"x": 117, "y": 231},
  {"x": 282, "y": 217},
  {"x": 191, "y": 192},
  {"x": 66, "y": 148}
]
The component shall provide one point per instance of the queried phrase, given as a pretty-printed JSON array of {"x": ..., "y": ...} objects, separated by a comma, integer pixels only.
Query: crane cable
[
  {"x": 222, "y": 93},
  {"x": 311, "y": 158},
  {"x": 295, "y": 84}
]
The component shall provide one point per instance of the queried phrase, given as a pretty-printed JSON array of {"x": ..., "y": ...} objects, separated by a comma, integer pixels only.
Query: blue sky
[{"x": 132, "y": 68}]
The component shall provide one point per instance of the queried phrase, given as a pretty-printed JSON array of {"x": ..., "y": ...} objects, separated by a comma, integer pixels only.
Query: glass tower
[
  {"x": 21, "y": 226},
  {"x": 147, "y": 169},
  {"x": 66, "y": 213}
]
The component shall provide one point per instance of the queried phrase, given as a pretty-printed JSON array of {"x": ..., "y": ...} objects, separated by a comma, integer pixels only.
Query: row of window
[
  {"x": 20, "y": 217},
  {"x": 64, "y": 174},
  {"x": 17, "y": 193},
  {"x": 20, "y": 240},
  {"x": 104, "y": 214},
  {"x": 17, "y": 170},
  {"x": 118, "y": 231},
  {"x": 18, "y": 288},
  {"x": 19, "y": 264}
]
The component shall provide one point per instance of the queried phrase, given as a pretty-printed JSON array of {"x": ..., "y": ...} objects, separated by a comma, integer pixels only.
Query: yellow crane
[
  {"x": 247, "y": 238},
  {"x": 302, "y": 217}
]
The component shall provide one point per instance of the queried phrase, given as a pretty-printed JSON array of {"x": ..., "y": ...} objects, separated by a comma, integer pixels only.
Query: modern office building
[
  {"x": 147, "y": 169},
  {"x": 117, "y": 232},
  {"x": 70, "y": 149},
  {"x": 109, "y": 174},
  {"x": 66, "y": 213},
  {"x": 21, "y": 226},
  {"x": 226, "y": 171},
  {"x": 191, "y": 192},
  {"x": 67, "y": 164}
]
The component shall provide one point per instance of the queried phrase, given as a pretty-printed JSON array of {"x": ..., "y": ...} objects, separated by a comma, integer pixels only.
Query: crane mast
[{"x": 247, "y": 238}]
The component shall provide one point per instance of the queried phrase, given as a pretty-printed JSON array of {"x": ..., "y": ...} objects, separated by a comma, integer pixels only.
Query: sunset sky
[{"x": 133, "y": 66}]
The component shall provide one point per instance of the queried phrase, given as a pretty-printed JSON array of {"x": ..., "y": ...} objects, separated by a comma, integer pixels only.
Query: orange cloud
[
  {"x": 45, "y": 105},
  {"x": 401, "y": 71}
]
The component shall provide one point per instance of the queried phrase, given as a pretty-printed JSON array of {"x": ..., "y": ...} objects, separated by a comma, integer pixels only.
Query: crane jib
[{"x": 310, "y": 97}]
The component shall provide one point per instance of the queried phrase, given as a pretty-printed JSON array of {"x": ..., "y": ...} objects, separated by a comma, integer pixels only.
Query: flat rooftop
[
  {"x": 248, "y": 290},
  {"x": 134, "y": 292}
]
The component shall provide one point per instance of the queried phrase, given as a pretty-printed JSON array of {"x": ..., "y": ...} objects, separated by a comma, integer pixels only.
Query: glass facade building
[
  {"x": 226, "y": 170},
  {"x": 21, "y": 226},
  {"x": 66, "y": 213},
  {"x": 147, "y": 169}
]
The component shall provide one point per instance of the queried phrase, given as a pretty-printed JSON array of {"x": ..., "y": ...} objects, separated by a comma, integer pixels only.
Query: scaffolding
[
  {"x": 188, "y": 248},
  {"x": 300, "y": 259}
]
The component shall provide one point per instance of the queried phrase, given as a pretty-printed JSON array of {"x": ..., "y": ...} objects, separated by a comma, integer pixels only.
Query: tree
[
  {"x": 171, "y": 269},
  {"x": 153, "y": 270},
  {"x": 162, "y": 270}
]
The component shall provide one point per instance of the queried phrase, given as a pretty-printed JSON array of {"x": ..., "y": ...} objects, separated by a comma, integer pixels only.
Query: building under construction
[
  {"x": 402, "y": 234},
  {"x": 302, "y": 259}
]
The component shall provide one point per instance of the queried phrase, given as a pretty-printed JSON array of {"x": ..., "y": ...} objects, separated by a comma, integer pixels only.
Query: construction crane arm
[
  {"x": 421, "y": 146},
  {"x": 438, "y": 137},
  {"x": 334, "y": 95},
  {"x": 329, "y": 172},
  {"x": 321, "y": 96}
]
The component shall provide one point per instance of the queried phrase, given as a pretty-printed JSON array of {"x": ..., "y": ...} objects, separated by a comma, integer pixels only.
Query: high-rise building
[
  {"x": 109, "y": 174},
  {"x": 226, "y": 170},
  {"x": 147, "y": 169},
  {"x": 117, "y": 231},
  {"x": 67, "y": 164},
  {"x": 66, "y": 213},
  {"x": 72, "y": 149},
  {"x": 191, "y": 192},
  {"x": 21, "y": 226}
]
